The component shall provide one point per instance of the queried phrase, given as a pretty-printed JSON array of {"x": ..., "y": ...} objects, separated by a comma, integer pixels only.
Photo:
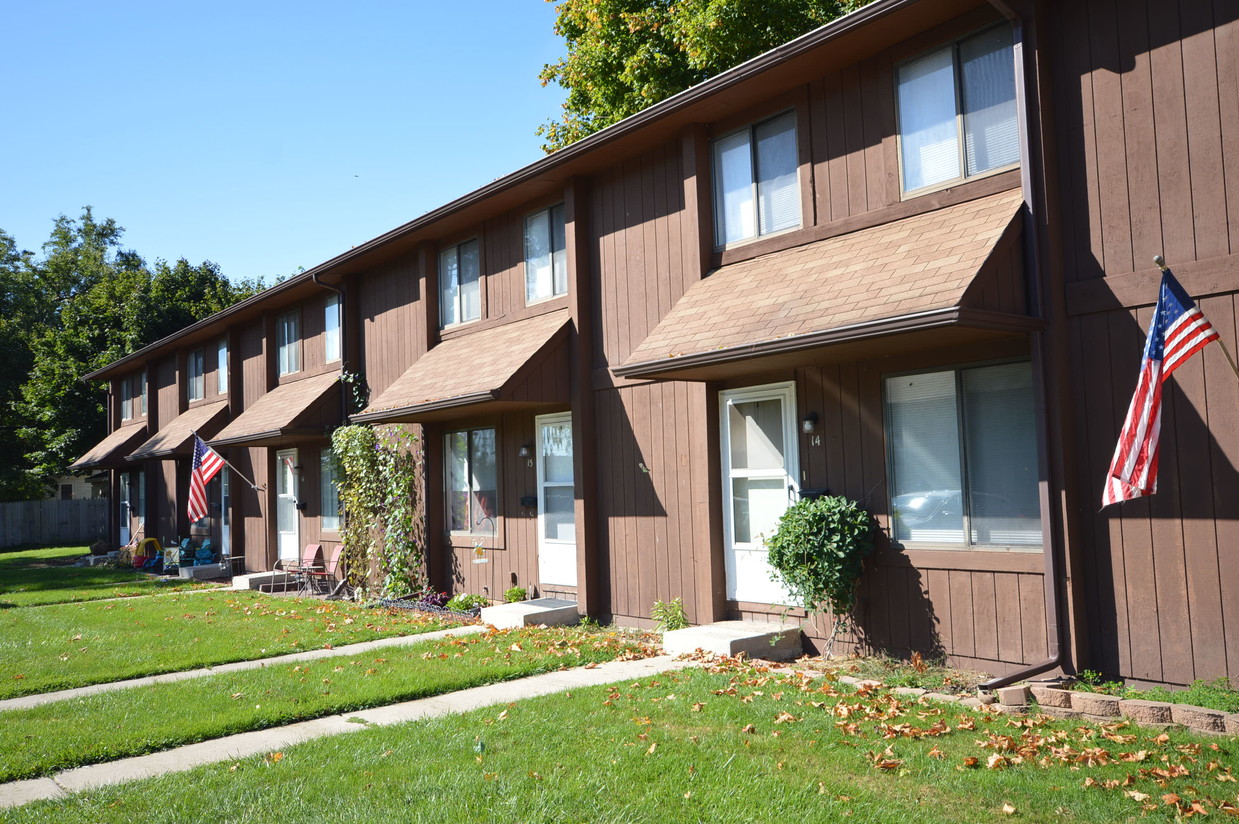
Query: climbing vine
[{"x": 379, "y": 496}]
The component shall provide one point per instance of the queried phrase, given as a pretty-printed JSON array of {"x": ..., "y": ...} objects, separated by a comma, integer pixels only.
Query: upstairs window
[
  {"x": 472, "y": 485},
  {"x": 142, "y": 393},
  {"x": 962, "y": 447},
  {"x": 460, "y": 295},
  {"x": 288, "y": 344},
  {"x": 331, "y": 329},
  {"x": 756, "y": 189},
  {"x": 126, "y": 399},
  {"x": 221, "y": 367},
  {"x": 957, "y": 115},
  {"x": 546, "y": 260},
  {"x": 195, "y": 384}
]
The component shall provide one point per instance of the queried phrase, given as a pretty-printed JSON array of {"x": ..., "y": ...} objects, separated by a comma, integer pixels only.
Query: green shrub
[
  {"x": 818, "y": 551},
  {"x": 670, "y": 615},
  {"x": 514, "y": 594},
  {"x": 465, "y": 603}
]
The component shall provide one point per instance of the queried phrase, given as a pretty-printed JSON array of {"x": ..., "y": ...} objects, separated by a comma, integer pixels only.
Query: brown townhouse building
[{"x": 905, "y": 258}]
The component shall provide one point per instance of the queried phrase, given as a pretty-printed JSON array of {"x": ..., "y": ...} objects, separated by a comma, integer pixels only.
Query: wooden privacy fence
[{"x": 53, "y": 522}]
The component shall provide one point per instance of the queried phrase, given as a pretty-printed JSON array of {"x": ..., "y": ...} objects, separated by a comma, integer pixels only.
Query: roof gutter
[{"x": 430, "y": 406}]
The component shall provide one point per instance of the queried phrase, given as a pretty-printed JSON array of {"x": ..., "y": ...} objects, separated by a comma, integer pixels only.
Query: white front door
[
  {"x": 758, "y": 436},
  {"x": 286, "y": 504},
  {"x": 556, "y": 512},
  {"x": 123, "y": 509},
  {"x": 225, "y": 516}
]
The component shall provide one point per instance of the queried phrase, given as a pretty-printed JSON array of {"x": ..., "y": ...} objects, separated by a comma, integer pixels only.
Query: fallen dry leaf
[{"x": 1008, "y": 809}]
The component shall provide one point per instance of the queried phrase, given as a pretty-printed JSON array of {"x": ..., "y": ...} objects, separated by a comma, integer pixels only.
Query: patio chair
[
  {"x": 311, "y": 558},
  {"x": 321, "y": 579}
]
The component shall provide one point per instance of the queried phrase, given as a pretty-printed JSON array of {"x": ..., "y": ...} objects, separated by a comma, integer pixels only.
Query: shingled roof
[{"x": 916, "y": 265}]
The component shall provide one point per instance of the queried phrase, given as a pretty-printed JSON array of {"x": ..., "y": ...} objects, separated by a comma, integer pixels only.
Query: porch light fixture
[
  {"x": 525, "y": 451},
  {"x": 808, "y": 424}
]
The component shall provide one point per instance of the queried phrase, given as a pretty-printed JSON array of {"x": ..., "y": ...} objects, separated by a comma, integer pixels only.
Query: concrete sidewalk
[
  {"x": 247, "y": 744},
  {"x": 27, "y": 701}
]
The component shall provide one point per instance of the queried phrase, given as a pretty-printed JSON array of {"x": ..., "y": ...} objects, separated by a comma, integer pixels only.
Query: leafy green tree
[
  {"x": 87, "y": 303},
  {"x": 626, "y": 55}
]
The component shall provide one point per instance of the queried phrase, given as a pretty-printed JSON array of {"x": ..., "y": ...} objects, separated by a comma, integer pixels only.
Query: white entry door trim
[
  {"x": 760, "y": 472},
  {"x": 556, "y": 505},
  {"x": 288, "y": 533}
]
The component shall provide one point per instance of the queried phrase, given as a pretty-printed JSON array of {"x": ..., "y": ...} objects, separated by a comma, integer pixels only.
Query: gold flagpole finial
[{"x": 1160, "y": 261}]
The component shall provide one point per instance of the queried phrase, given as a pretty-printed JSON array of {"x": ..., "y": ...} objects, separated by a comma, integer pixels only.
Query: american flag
[
  {"x": 1177, "y": 331},
  {"x": 207, "y": 463}
]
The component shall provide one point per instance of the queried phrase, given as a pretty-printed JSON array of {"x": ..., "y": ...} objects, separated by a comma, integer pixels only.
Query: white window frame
[
  {"x": 288, "y": 343},
  {"x": 960, "y": 146},
  {"x": 967, "y": 544},
  {"x": 195, "y": 375},
  {"x": 720, "y": 216},
  {"x": 126, "y": 398},
  {"x": 475, "y": 526},
  {"x": 331, "y": 329},
  {"x": 454, "y": 289},
  {"x": 221, "y": 367},
  {"x": 558, "y": 257}
]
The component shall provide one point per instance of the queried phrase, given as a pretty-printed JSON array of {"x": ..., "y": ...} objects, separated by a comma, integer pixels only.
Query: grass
[
  {"x": 725, "y": 746},
  {"x": 34, "y": 577},
  {"x": 71, "y": 645},
  {"x": 103, "y": 727}
]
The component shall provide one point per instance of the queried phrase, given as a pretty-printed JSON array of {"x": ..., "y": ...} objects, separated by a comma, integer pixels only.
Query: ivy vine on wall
[{"x": 379, "y": 496}]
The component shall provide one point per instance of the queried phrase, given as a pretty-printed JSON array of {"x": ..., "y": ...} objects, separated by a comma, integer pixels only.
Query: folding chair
[
  {"x": 326, "y": 575},
  {"x": 311, "y": 558}
]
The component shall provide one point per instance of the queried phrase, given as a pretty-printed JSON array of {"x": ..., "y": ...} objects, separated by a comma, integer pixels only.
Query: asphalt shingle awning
[
  {"x": 174, "y": 439},
  {"x": 922, "y": 272},
  {"x": 110, "y": 452},
  {"x": 292, "y": 410},
  {"x": 517, "y": 365}
]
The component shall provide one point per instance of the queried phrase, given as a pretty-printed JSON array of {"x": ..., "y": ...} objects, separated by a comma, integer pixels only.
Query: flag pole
[
  {"x": 1161, "y": 264},
  {"x": 228, "y": 464}
]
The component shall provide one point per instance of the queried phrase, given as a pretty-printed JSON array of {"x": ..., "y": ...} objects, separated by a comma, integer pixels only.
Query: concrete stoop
[
  {"x": 204, "y": 572},
  {"x": 549, "y": 611},
  {"x": 773, "y": 642},
  {"x": 257, "y": 581}
]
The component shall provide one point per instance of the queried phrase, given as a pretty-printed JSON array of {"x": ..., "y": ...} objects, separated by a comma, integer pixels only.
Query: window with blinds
[
  {"x": 957, "y": 116},
  {"x": 546, "y": 255},
  {"x": 195, "y": 386},
  {"x": 963, "y": 457},
  {"x": 287, "y": 344},
  {"x": 756, "y": 188},
  {"x": 460, "y": 294}
]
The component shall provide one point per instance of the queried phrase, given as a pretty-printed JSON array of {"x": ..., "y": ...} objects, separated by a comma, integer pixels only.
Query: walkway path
[
  {"x": 247, "y": 744},
  {"x": 26, "y": 701}
]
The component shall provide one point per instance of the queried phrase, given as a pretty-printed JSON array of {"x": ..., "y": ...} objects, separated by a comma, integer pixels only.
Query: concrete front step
[
  {"x": 774, "y": 642},
  {"x": 549, "y": 611},
  {"x": 257, "y": 580},
  {"x": 204, "y": 572}
]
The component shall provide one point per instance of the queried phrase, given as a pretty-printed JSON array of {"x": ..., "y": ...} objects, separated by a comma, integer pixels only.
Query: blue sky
[{"x": 264, "y": 136}]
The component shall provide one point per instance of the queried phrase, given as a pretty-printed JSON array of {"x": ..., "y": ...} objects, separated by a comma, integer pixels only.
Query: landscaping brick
[
  {"x": 1011, "y": 709},
  {"x": 970, "y": 703},
  {"x": 1232, "y": 723},
  {"x": 940, "y": 696},
  {"x": 1060, "y": 712},
  {"x": 1145, "y": 712},
  {"x": 987, "y": 698},
  {"x": 1014, "y": 696},
  {"x": 909, "y": 692},
  {"x": 1052, "y": 697},
  {"x": 1092, "y": 703},
  {"x": 1198, "y": 718}
]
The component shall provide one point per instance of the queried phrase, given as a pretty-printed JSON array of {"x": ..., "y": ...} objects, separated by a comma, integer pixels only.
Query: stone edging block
[
  {"x": 1145, "y": 712},
  {"x": 1052, "y": 697},
  {"x": 1093, "y": 703},
  {"x": 1198, "y": 718}
]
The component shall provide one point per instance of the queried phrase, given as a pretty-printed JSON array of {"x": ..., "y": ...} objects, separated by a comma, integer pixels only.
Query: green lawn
[
  {"x": 52, "y": 737},
  {"x": 730, "y": 746},
  {"x": 72, "y": 645},
  {"x": 33, "y": 577}
]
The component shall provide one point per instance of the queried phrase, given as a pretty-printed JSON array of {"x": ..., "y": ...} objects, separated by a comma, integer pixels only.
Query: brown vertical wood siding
[{"x": 1148, "y": 128}]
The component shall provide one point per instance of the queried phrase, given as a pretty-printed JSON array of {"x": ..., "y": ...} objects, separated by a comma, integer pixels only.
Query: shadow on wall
[{"x": 894, "y": 615}]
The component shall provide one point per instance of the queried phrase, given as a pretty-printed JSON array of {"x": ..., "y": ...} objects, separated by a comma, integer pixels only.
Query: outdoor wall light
[
  {"x": 525, "y": 451},
  {"x": 808, "y": 424}
]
